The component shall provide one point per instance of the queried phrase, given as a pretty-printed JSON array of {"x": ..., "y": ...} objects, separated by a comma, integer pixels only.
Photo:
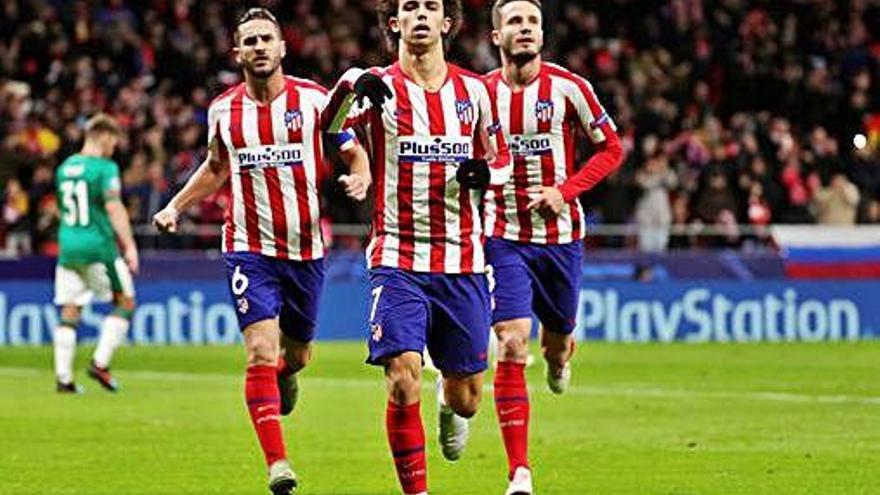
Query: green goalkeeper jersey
[{"x": 84, "y": 184}]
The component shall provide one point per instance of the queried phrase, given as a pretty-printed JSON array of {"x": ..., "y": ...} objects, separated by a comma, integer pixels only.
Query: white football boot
[
  {"x": 559, "y": 383},
  {"x": 521, "y": 484},
  {"x": 282, "y": 479},
  {"x": 454, "y": 429}
]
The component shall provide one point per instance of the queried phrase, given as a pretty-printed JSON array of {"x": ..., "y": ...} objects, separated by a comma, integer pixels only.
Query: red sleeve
[{"x": 606, "y": 160}]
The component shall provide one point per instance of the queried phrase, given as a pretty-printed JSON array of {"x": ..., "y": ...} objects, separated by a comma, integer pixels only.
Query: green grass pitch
[{"x": 653, "y": 419}]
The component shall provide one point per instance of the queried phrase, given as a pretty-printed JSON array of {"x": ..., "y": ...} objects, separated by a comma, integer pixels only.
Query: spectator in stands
[
  {"x": 15, "y": 217},
  {"x": 837, "y": 204},
  {"x": 771, "y": 93},
  {"x": 758, "y": 213},
  {"x": 872, "y": 212},
  {"x": 716, "y": 199},
  {"x": 799, "y": 190},
  {"x": 653, "y": 210}
]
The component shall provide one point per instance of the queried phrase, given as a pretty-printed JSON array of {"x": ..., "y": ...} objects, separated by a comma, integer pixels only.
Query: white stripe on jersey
[
  {"x": 477, "y": 91},
  {"x": 314, "y": 200},
  {"x": 251, "y": 133},
  {"x": 239, "y": 235},
  {"x": 285, "y": 175},
  {"x": 391, "y": 244},
  {"x": 421, "y": 183},
  {"x": 452, "y": 261}
]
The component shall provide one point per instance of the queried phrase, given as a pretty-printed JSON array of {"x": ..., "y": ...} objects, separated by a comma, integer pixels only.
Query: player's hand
[
  {"x": 549, "y": 201},
  {"x": 356, "y": 185},
  {"x": 132, "y": 261},
  {"x": 166, "y": 220},
  {"x": 371, "y": 87},
  {"x": 473, "y": 173}
]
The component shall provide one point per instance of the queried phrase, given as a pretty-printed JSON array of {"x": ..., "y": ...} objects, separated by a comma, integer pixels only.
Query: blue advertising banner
[
  {"x": 199, "y": 312},
  {"x": 170, "y": 313},
  {"x": 752, "y": 311}
]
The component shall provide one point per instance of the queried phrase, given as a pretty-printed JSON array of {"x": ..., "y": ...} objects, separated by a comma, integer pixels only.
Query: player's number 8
[{"x": 239, "y": 282}]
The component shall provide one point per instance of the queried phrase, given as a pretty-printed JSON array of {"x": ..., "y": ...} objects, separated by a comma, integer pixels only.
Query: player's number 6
[{"x": 239, "y": 282}]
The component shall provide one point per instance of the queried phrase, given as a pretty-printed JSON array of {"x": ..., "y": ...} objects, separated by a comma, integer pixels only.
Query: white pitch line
[
  {"x": 672, "y": 393},
  {"x": 584, "y": 390}
]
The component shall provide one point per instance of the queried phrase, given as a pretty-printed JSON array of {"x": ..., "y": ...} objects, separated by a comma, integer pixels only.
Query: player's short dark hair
[
  {"x": 387, "y": 9},
  {"x": 256, "y": 13},
  {"x": 101, "y": 123},
  {"x": 499, "y": 4}
]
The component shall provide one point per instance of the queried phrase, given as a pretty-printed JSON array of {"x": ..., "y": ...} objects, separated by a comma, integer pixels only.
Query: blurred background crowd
[{"x": 735, "y": 114}]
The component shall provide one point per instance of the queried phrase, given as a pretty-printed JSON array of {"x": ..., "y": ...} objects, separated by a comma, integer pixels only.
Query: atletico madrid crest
[
  {"x": 465, "y": 111},
  {"x": 243, "y": 305},
  {"x": 293, "y": 119},
  {"x": 544, "y": 110}
]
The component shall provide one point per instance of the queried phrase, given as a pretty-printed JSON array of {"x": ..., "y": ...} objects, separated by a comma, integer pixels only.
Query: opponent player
[
  {"x": 435, "y": 145},
  {"x": 535, "y": 223},
  {"x": 264, "y": 139},
  {"x": 89, "y": 267}
]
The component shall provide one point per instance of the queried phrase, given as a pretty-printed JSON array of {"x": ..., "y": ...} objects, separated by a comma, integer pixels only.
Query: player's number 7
[{"x": 376, "y": 293}]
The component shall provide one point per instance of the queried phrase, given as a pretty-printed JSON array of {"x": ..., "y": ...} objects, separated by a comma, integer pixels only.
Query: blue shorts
[
  {"x": 448, "y": 314},
  {"x": 264, "y": 288},
  {"x": 533, "y": 278}
]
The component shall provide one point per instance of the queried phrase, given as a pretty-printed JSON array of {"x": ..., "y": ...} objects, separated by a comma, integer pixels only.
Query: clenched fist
[
  {"x": 166, "y": 220},
  {"x": 356, "y": 186}
]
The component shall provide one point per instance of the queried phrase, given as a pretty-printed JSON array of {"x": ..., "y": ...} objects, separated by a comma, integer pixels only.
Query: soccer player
[
  {"x": 436, "y": 146},
  {"x": 265, "y": 141},
  {"x": 534, "y": 223},
  {"x": 89, "y": 267}
]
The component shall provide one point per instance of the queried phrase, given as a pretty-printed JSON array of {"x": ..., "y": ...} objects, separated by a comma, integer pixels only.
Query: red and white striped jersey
[
  {"x": 276, "y": 163},
  {"x": 423, "y": 220},
  {"x": 541, "y": 123}
]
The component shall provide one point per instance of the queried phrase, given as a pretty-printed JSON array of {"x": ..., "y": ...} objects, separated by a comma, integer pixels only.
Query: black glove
[
  {"x": 371, "y": 87},
  {"x": 473, "y": 173}
]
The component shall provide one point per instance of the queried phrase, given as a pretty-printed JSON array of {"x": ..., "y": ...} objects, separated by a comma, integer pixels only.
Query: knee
[
  {"x": 298, "y": 357},
  {"x": 466, "y": 407},
  {"x": 124, "y": 306},
  {"x": 512, "y": 345},
  {"x": 465, "y": 400},
  {"x": 404, "y": 379},
  {"x": 513, "y": 339},
  {"x": 261, "y": 351},
  {"x": 557, "y": 346},
  {"x": 70, "y": 316}
]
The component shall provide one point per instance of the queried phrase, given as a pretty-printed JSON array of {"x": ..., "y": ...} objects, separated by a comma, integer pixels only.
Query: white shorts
[{"x": 96, "y": 282}]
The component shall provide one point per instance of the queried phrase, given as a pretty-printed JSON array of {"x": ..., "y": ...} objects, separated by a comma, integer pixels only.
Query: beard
[
  {"x": 521, "y": 57},
  {"x": 262, "y": 72}
]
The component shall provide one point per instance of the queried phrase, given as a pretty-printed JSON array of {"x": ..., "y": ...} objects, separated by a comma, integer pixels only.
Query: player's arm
[
  {"x": 358, "y": 179},
  {"x": 119, "y": 220},
  {"x": 597, "y": 125},
  {"x": 208, "y": 178},
  {"x": 493, "y": 164},
  {"x": 351, "y": 99}
]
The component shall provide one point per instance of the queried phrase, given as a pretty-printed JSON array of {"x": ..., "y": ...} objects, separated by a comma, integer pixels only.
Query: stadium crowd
[{"x": 732, "y": 112}]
